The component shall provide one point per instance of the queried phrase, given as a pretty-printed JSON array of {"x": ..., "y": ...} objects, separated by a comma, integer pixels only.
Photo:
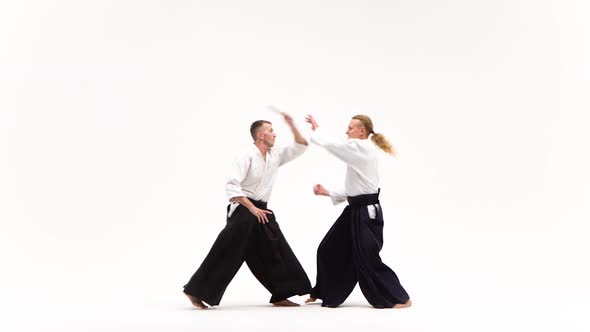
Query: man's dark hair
[{"x": 255, "y": 126}]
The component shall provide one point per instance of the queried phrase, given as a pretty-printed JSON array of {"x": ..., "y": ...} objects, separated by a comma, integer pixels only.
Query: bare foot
[
  {"x": 310, "y": 300},
  {"x": 403, "y": 305},
  {"x": 285, "y": 303},
  {"x": 196, "y": 302}
]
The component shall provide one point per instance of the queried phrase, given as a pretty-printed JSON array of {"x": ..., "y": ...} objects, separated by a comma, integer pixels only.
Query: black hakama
[
  {"x": 264, "y": 249},
  {"x": 350, "y": 252}
]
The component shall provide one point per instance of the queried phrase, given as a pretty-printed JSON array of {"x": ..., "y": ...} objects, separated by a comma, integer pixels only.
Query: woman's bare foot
[
  {"x": 310, "y": 300},
  {"x": 403, "y": 305},
  {"x": 285, "y": 303},
  {"x": 196, "y": 302}
]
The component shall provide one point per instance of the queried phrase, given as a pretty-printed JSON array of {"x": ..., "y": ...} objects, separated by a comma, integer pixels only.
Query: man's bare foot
[
  {"x": 310, "y": 300},
  {"x": 285, "y": 303},
  {"x": 403, "y": 305},
  {"x": 196, "y": 302}
]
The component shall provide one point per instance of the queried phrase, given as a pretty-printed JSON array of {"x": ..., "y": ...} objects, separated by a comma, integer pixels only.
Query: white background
[{"x": 119, "y": 120}]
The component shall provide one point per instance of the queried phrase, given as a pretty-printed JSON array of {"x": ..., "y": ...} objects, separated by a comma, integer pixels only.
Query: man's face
[
  {"x": 267, "y": 135},
  {"x": 355, "y": 129}
]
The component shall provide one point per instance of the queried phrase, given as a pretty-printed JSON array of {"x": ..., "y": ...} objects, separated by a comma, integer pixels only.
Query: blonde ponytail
[
  {"x": 382, "y": 143},
  {"x": 378, "y": 139}
]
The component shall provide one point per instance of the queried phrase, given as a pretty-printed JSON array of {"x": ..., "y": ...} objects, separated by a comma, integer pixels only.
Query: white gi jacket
[
  {"x": 362, "y": 166},
  {"x": 253, "y": 177}
]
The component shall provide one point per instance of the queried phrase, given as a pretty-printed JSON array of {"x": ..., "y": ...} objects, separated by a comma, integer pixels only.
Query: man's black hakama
[{"x": 264, "y": 249}]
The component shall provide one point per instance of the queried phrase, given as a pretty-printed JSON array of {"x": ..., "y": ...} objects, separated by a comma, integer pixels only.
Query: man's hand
[
  {"x": 260, "y": 214},
  {"x": 286, "y": 116},
  {"x": 311, "y": 120},
  {"x": 289, "y": 120},
  {"x": 319, "y": 190}
]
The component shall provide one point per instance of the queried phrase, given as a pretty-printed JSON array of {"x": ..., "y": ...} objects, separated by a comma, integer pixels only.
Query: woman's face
[{"x": 356, "y": 129}]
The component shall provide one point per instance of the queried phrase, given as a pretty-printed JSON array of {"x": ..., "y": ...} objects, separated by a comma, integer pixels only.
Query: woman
[{"x": 350, "y": 250}]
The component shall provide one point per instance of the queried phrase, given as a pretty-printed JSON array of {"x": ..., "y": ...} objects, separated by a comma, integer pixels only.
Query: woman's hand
[
  {"x": 311, "y": 120},
  {"x": 319, "y": 190}
]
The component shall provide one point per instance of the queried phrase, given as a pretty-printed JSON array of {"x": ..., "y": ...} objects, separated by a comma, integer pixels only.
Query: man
[
  {"x": 252, "y": 233},
  {"x": 349, "y": 253}
]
